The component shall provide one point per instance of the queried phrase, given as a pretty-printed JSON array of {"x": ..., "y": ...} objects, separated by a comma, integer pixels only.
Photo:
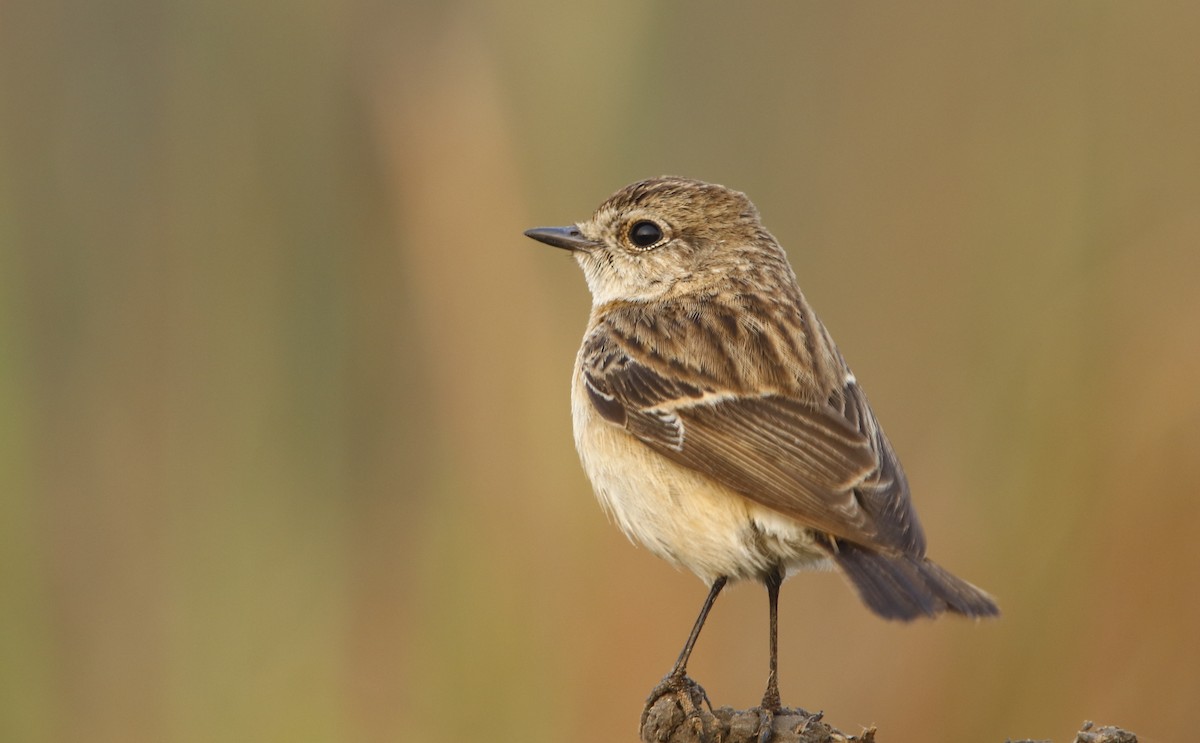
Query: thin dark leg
[
  {"x": 680, "y": 667},
  {"x": 688, "y": 693},
  {"x": 770, "y": 699}
]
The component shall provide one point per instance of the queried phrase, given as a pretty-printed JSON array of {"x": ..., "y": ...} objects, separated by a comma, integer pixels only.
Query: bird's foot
[
  {"x": 771, "y": 715},
  {"x": 767, "y": 710},
  {"x": 766, "y": 724},
  {"x": 687, "y": 694}
]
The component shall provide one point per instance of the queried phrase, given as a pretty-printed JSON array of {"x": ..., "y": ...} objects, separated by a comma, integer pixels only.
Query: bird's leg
[
  {"x": 770, "y": 701},
  {"x": 679, "y": 670},
  {"x": 677, "y": 682}
]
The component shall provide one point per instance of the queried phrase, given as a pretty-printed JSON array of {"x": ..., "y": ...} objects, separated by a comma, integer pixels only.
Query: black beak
[{"x": 567, "y": 238}]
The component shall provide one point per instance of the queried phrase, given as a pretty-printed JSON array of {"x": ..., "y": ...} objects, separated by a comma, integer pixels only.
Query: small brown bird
[{"x": 719, "y": 424}]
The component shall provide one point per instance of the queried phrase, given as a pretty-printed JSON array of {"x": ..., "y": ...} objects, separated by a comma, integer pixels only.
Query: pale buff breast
[{"x": 678, "y": 514}]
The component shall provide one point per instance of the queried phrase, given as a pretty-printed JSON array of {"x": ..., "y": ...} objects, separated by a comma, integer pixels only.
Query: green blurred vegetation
[{"x": 284, "y": 435}]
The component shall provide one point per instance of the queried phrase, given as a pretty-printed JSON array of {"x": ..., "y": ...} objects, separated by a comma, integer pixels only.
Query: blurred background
[{"x": 285, "y": 449}]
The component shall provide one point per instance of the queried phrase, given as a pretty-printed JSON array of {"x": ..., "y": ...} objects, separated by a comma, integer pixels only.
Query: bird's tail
[{"x": 906, "y": 587}]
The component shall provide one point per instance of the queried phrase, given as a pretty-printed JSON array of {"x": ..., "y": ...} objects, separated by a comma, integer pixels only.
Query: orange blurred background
[{"x": 285, "y": 448}]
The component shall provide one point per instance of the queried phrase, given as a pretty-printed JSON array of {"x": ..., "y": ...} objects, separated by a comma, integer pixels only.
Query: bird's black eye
[{"x": 645, "y": 233}]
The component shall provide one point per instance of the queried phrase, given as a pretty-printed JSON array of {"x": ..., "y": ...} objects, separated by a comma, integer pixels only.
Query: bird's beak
[{"x": 567, "y": 238}]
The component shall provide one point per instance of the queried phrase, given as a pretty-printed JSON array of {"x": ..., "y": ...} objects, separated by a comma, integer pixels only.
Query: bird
[{"x": 719, "y": 424}]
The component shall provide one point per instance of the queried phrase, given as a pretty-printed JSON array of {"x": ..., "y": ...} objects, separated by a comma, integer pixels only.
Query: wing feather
[{"x": 825, "y": 464}]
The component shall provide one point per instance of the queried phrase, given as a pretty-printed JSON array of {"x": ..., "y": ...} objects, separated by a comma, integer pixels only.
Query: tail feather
[{"x": 906, "y": 587}]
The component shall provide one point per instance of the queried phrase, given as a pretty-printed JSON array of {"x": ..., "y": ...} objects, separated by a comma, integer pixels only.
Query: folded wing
[{"x": 826, "y": 464}]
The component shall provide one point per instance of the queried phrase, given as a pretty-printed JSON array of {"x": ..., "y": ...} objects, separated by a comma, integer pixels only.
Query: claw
[
  {"x": 688, "y": 695},
  {"x": 810, "y": 719},
  {"x": 766, "y": 724}
]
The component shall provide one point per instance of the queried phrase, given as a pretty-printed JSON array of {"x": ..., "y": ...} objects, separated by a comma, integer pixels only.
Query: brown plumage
[{"x": 716, "y": 418}]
